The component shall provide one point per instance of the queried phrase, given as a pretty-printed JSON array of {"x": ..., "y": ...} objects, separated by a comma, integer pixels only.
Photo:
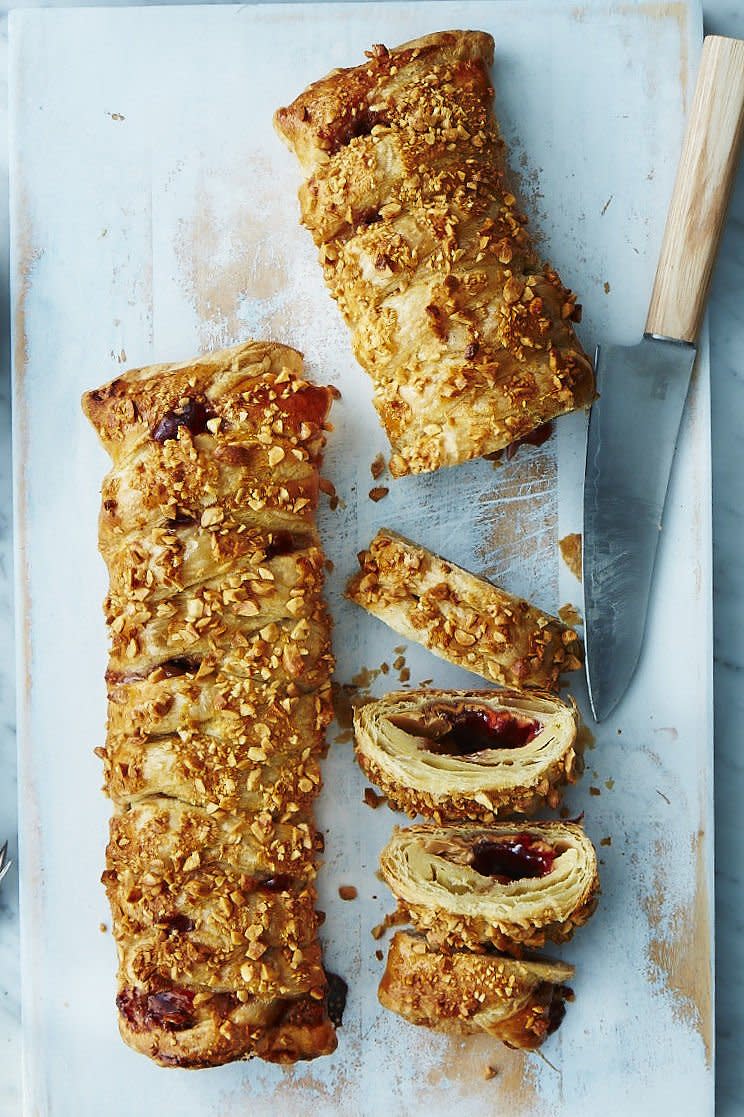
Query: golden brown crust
[
  {"x": 462, "y": 618},
  {"x": 463, "y": 782},
  {"x": 518, "y": 1002},
  {"x": 431, "y": 870},
  {"x": 219, "y": 696},
  {"x": 467, "y": 336}
]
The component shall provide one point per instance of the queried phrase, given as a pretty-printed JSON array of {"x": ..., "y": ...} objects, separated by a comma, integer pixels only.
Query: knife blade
[{"x": 634, "y": 423}]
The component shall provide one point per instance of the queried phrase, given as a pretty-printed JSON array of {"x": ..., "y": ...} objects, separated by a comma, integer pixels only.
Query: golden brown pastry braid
[
  {"x": 467, "y": 335},
  {"x": 219, "y": 696}
]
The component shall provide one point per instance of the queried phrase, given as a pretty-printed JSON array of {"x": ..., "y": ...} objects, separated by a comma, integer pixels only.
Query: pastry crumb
[
  {"x": 606, "y": 288},
  {"x": 372, "y": 799},
  {"x": 379, "y": 492},
  {"x": 594, "y": 791},
  {"x": 377, "y": 468},
  {"x": 404, "y": 675},
  {"x": 606, "y": 841},
  {"x": 570, "y": 548},
  {"x": 569, "y": 614},
  {"x": 102, "y": 928},
  {"x": 378, "y": 930},
  {"x": 348, "y": 892},
  {"x": 609, "y": 784},
  {"x": 490, "y": 1072}
]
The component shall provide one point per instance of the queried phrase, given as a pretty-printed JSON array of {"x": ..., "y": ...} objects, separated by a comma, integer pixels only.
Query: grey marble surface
[{"x": 724, "y": 17}]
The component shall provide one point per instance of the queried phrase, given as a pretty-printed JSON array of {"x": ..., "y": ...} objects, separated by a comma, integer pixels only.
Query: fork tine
[{"x": 4, "y": 863}]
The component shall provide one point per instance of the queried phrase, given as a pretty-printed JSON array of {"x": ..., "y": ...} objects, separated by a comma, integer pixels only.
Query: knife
[{"x": 634, "y": 423}]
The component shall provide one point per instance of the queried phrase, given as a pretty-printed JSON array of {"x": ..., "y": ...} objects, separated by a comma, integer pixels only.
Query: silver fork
[{"x": 4, "y": 862}]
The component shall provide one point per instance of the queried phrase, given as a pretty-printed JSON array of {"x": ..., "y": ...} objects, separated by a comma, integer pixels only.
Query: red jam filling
[
  {"x": 475, "y": 730},
  {"x": 179, "y": 665},
  {"x": 282, "y": 882},
  {"x": 179, "y": 924},
  {"x": 285, "y": 543},
  {"x": 534, "y": 438},
  {"x": 336, "y": 998},
  {"x": 513, "y": 858},
  {"x": 171, "y": 1009},
  {"x": 193, "y": 415}
]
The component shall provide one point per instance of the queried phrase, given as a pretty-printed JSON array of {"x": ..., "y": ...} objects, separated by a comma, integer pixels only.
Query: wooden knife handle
[{"x": 700, "y": 198}]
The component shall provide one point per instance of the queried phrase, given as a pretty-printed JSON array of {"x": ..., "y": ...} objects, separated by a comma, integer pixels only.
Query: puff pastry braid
[
  {"x": 467, "y": 336},
  {"x": 455, "y": 755},
  {"x": 509, "y": 885},
  {"x": 219, "y": 696},
  {"x": 460, "y": 617},
  {"x": 518, "y": 1002}
]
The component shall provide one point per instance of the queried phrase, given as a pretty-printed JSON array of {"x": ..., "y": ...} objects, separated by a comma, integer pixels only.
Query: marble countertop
[{"x": 724, "y": 17}]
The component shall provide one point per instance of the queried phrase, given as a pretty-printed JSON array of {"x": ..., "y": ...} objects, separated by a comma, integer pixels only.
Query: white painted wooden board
[{"x": 154, "y": 216}]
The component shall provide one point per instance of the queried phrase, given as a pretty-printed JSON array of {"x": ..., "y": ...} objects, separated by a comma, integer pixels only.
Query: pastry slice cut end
[
  {"x": 456, "y": 755},
  {"x": 511, "y": 885},
  {"x": 519, "y": 1002}
]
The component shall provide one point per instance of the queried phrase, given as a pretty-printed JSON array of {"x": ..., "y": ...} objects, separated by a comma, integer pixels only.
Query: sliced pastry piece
[
  {"x": 519, "y": 1002},
  {"x": 462, "y": 618},
  {"x": 455, "y": 755},
  {"x": 467, "y": 335},
  {"x": 505, "y": 884},
  {"x": 219, "y": 696}
]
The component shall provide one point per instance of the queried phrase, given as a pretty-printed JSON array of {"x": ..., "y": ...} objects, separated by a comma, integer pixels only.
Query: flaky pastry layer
[
  {"x": 456, "y": 755},
  {"x": 431, "y": 870}
]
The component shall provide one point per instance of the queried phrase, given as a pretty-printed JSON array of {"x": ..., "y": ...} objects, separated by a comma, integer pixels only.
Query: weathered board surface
[{"x": 154, "y": 216}]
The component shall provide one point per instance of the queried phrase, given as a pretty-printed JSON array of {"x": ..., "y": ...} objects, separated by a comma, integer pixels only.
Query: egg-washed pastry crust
[
  {"x": 467, "y": 335},
  {"x": 461, "y": 993},
  {"x": 219, "y": 697},
  {"x": 457, "y": 755},
  {"x": 460, "y": 617},
  {"x": 447, "y": 884}
]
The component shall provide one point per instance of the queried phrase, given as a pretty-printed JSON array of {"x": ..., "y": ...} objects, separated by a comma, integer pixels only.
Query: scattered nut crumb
[
  {"x": 606, "y": 288},
  {"x": 378, "y": 493},
  {"x": 401, "y": 648},
  {"x": 348, "y": 892},
  {"x": 399, "y": 663},
  {"x": 379, "y": 955},
  {"x": 404, "y": 675},
  {"x": 385, "y": 668},
  {"x": 569, "y": 614},
  {"x": 594, "y": 791},
  {"x": 372, "y": 799},
  {"x": 606, "y": 841},
  {"x": 490, "y": 1072},
  {"x": 102, "y": 928},
  {"x": 377, "y": 468},
  {"x": 609, "y": 784},
  {"x": 378, "y": 930},
  {"x": 570, "y": 548}
]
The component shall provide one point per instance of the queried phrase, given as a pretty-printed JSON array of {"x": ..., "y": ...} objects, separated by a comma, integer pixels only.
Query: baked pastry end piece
[
  {"x": 519, "y": 1002},
  {"x": 466, "y": 333}
]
